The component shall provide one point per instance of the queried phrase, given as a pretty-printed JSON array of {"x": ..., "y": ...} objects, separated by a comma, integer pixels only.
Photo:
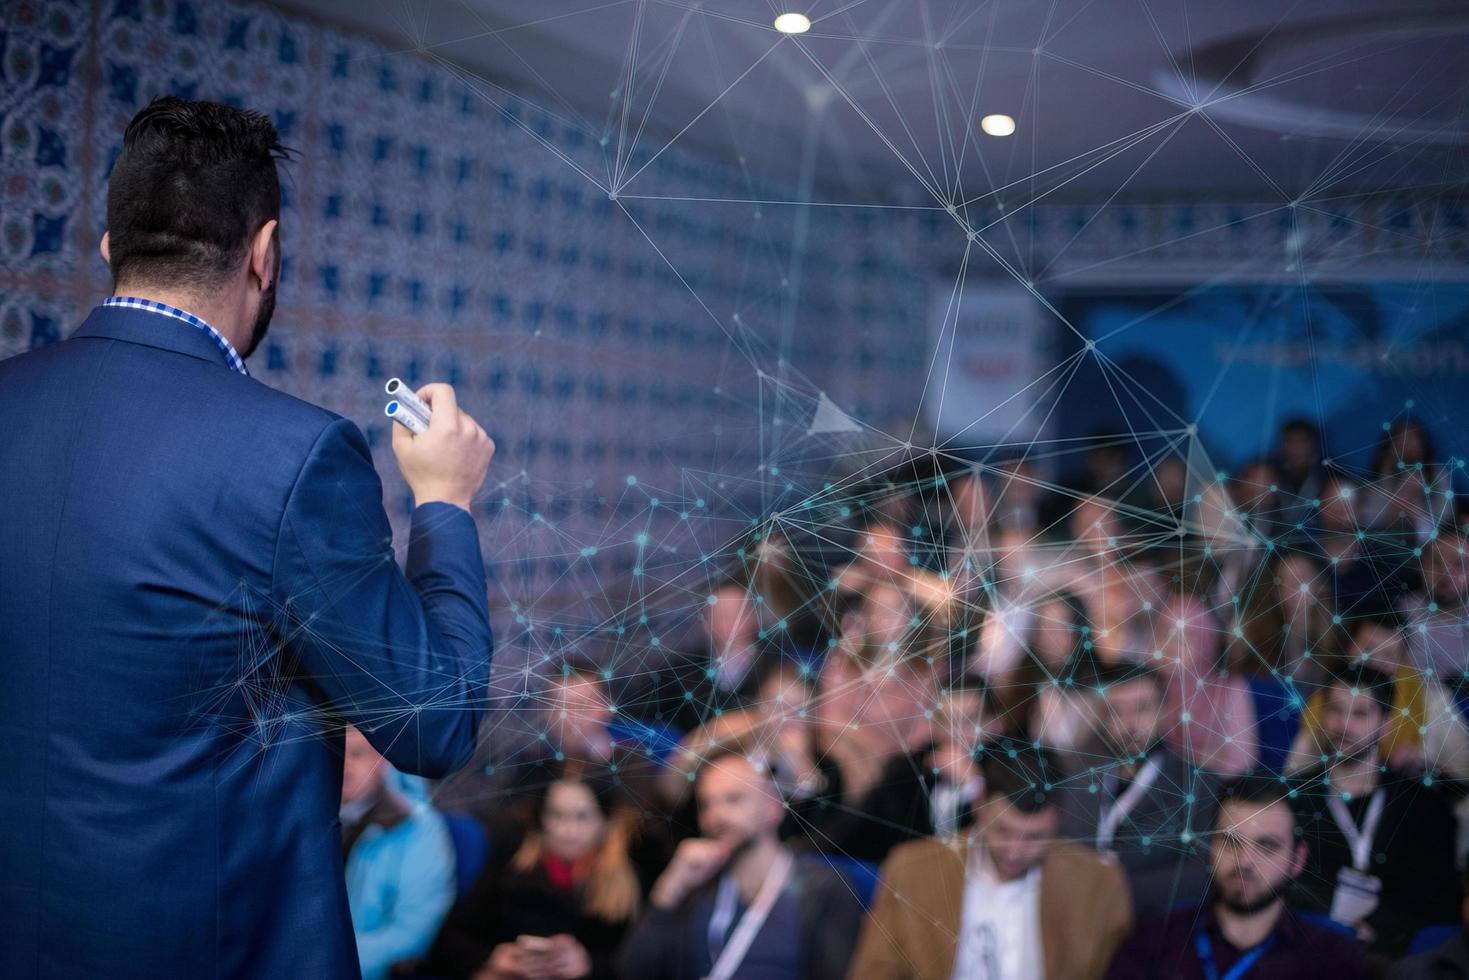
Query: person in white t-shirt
[{"x": 1007, "y": 902}]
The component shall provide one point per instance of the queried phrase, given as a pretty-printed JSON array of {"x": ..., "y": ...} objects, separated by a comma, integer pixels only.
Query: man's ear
[
  {"x": 106, "y": 250},
  {"x": 261, "y": 266},
  {"x": 1299, "y": 864}
]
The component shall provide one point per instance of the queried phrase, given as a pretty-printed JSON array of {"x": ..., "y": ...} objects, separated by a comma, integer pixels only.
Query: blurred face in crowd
[
  {"x": 580, "y": 714},
  {"x": 786, "y": 698},
  {"x": 732, "y": 620},
  {"x": 572, "y": 824},
  {"x": 1380, "y": 645},
  {"x": 1054, "y": 637},
  {"x": 1255, "y": 856},
  {"x": 738, "y": 803},
  {"x": 971, "y": 501},
  {"x": 1106, "y": 465},
  {"x": 1149, "y": 584},
  {"x": 1017, "y": 486},
  {"x": 963, "y": 718},
  {"x": 778, "y": 575},
  {"x": 1299, "y": 451},
  {"x": 1016, "y": 841},
  {"x": 1011, "y": 551},
  {"x": 1410, "y": 445},
  {"x": 1251, "y": 489},
  {"x": 362, "y": 767},
  {"x": 1093, "y": 525},
  {"x": 1447, "y": 573},
  {"x": 1299, "y": 586},
  {"x": 885, "y": 544},
  {"x": 1339, "y": 506},
  {"x": 1172, "y": 477},
  {"x": 1131, "y": 716},
  {"x": 1351, "y": 722},
  {"x": 886, "y": 619},
  {"x": 1128, "y": 591}
]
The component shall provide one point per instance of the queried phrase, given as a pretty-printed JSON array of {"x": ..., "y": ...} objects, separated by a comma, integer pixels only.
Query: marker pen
[
  {"x": 395, "y": 411},
  {"x": 397, "y": 389}
]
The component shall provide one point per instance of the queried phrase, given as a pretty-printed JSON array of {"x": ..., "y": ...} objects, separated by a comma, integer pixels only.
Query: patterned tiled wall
[{"x": 438, "y": 230}]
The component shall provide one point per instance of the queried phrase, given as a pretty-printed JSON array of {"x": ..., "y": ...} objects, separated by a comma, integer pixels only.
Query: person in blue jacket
[
  {"x": 198, "y": 589},
  {"x": 400, "y": 862}
]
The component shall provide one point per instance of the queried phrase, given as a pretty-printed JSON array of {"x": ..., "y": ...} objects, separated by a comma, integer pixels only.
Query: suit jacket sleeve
[
  {"x": 654, "y": 946},
  {"x": 833, "y": 918},
  {"x": 406, "y": 659},
  {"x": 1110, "y": 916},
  {"x": 879, "y": 954}
]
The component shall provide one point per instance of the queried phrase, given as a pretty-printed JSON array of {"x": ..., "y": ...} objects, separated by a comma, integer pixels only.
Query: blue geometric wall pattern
[{"x": 635, "y": 359}]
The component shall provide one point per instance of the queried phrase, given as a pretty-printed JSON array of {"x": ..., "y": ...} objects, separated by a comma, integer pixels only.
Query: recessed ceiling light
[
  {"x": 793, "y": 23},
  {"x": 997, "y": 125}
]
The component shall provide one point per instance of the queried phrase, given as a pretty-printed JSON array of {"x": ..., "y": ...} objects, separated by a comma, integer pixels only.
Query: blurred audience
[
  {"x": 1211, "y": 708},
  {"x": 1425, "y": 730},
  {"x": 1021, "y": 702}
]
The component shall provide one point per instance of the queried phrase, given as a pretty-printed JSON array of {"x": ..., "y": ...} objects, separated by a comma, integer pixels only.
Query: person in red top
[{"x": 560, "y": 905}]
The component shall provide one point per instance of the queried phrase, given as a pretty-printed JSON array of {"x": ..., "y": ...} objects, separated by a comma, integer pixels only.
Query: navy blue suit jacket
[{"x": 197, "y": 590}]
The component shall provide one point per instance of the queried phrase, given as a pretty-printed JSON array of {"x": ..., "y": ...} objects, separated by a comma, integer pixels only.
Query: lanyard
[
  {"x": 1112, "y": 816},
  {"x": 1359, "y": 839},
  {"x": 946, "y": 805},
  {"x": 1205, "y": 949},
  {"x": 744, "y": 934}
]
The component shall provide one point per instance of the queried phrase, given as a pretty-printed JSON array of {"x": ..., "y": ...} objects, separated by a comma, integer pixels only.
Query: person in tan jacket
[{"x": 1008, "y": 902}]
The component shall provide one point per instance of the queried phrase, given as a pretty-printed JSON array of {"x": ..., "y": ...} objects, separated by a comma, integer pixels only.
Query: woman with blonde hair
[{"x": 559, "y": 906}]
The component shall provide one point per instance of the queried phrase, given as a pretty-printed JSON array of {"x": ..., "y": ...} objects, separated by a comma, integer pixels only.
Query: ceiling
[{"x": 879, "y": 101}]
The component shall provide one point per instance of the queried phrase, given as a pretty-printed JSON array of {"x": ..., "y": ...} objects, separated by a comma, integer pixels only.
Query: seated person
[
  {"x": 722, "y": 674},
  {"x": 1381, "y": 841},
  {"x": 560, "y": 906},
  {"x": 578, "y": 715},
  {"x": 1245, "y": 929},
  {"x": 571, "y": 721},
  {"x": 780, "y": 727},
  {"x": 932, "y": 792},
  {"x": 1007, "y": 901},
  {"x": 877, "y": 685},
  {"x": 1426, "y": 730},
  {"x": 1440, "y": 642},
  {"x": 1449, "y": 960},
  {"x": 1049, "y": 694},
  {"x": 399, "y": 862},
  {"x": 1146, "y": 806},
  {"x": 736, "y": 901}
]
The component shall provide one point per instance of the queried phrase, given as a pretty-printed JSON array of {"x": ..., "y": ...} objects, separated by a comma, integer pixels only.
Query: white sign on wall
[{"x": 991, "y": 343}]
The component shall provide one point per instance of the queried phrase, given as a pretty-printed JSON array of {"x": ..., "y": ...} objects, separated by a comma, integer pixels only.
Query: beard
[{"x": 1264, "y": 900}]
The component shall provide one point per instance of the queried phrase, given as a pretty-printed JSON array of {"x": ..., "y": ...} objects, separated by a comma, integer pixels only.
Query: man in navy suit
[{"x": 198, "y": 590}]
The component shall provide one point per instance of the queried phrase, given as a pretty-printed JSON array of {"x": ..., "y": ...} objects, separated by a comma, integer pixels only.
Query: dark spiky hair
[{"x": 195, "y": 181}]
